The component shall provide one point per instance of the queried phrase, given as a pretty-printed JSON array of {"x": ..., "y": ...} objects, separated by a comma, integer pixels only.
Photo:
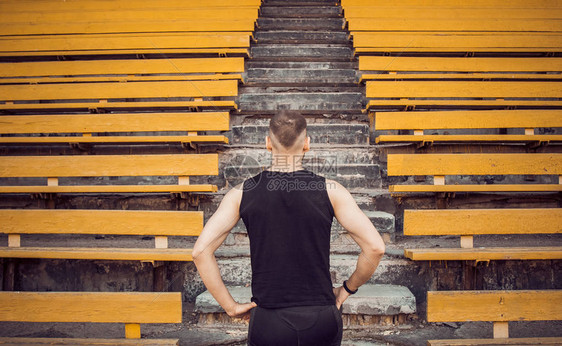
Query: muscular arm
[
  {"x": 214, "y": 233},
  {"x": 361, "y": 230}
]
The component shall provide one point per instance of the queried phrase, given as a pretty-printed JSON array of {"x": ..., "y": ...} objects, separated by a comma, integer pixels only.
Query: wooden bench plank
[
  {"x": 128, "y": 122},
  {"x": 124, "y": 222},
  {"x": 480, "y": 254},
  {"x": 110, "y": 188},
  {"x": 109, "y": 165},
  {"x": 107, "y": 307},
  {"x": 121, "y": 67},
  {"x": 59, "y": 14},
  {"x": 467, "y": 138},
  {"x": 474, "y": 164},
  {"x": 483, "y": 221},
  {"x": 458, "y": 3},
  {"x": 184, "y": 77},
  {"x": 454, "y": 42},
  {"x": 453, "y": 64},
  {"x": 136, "y": 26},
  {"x": 524, "y": 305},
  {"x": 467, "y": 120},
  {"x": 463, "y": 89},
  {"x": 110, "y": 254},
  {"x": 82, "y": 91},
  {"x": 7, "y": 341},
  {"x": 457, "y": 24},
  {"x": 217, "y": 51},
  {"x": 436, "y": 12},
  {"x": 93, "y": 5},
  {"x": 397, "y": 189},
  {"x": 497, "y": 342},
  {"x": 117, "y": 139},
  {"x": 84, "y": 106},
  {"x": 468, "y": 103},
  {"x": 484, "y": 119},
  {"x": 465, "y": 76},
  {"x": 227, "y": 42}
]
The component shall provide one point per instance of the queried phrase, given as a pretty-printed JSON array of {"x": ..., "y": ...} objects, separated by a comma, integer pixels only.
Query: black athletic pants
[{"x": 299, "y": 325}]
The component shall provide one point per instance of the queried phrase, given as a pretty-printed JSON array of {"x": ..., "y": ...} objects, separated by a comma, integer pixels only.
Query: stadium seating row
[
  {"x": 118, "y": 27},
  {"x": 117, "y": 79},
  {"x": 454, "y": 72},
  {"x": 455, "y": 26}
]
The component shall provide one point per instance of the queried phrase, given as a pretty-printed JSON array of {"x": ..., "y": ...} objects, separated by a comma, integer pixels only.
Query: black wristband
[{"x": 348, "y": 290}]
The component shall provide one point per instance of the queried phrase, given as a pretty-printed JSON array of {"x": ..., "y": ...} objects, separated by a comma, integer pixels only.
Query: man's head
[{"x": 287, "y": 133}]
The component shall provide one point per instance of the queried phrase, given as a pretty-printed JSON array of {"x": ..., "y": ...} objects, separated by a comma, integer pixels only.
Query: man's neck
[{"x": 281, "y": 162}]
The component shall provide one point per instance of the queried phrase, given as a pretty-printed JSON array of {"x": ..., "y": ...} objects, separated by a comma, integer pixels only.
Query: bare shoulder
[
  {"x": 234, "y": 195},
  {"x": 334, "y": 186},
  {"x": 336, "y": 191}
]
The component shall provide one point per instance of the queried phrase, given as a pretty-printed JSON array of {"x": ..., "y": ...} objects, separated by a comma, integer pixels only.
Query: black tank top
[{"x": 288, "y": 216}]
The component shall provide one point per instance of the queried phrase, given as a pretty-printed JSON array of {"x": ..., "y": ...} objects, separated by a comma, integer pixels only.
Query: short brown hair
[{"x": 286, "y": 126}]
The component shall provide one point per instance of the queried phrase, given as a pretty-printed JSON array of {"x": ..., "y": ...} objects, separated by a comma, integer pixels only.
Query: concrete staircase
[{"x": 303, "y": 60}]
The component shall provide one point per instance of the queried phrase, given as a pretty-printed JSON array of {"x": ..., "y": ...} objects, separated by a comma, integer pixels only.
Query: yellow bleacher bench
[
  {"x": 456, "y": 3},
  {"x": 19, "y": 13},
  {"x": 365, "y": 42},
  {"x": 114, "y": 95},
  {"x": 441, "y": 165},
  {"x": 126, "y": 43},
  {"x": 436, "y": 11},
  {"x": 119, "y": 5},
  {"x": 455, "y": 24},
  {"x": 90, "y": 128},
  {"x": 129, "y": 308},
  {"x": 62, "y": 166},
  {"x": 452, "y": 17},
  {"x": 469, "y": 222},
  {"x": 447, "y": 93},
  {"x": 412, "y": 68},
  {"x": 157, "y": 223},
  {"x": 422, "y": 122},
  {"x": 136, "y": 26},
  {"x": 121, "y": 70},
  {"x": 129, "y": 21},
  {"x": 499, "y": 307}
]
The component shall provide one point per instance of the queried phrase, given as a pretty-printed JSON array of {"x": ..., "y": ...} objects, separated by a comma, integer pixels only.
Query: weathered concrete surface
[
  {"x": 301, "y": 36},
  {"x": 314, "y": 65},
  {"x": 319, "y": 134},
  {"x": 326, "y": 23},
  {"x": 324, "y": 101},
  {"x": 369, "y": 300},
  {"x": 272, "y": 76},
  {"x": 332, "y": 51},
  {"x": 380, "y": 300},
  {"x": 300, "y": 11}
]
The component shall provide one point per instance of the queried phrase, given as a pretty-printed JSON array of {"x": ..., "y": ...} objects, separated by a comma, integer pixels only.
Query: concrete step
[
  {"x": 300, "y": 3},
  {"x": 319, "y": 65},
  {"x": 325, "y": 101},
  {"x": 315, "y": 11},
  {"x": 235, "y": 266},
  {"x": 319, "y": 133},
  {"x": 355, "y": 168},
  {"x": 302, "y": 37},
  {"x": 328, "y": 52},
  {"x": 371, "y": 305},
  {"x": 300, "y": 76},
  {"x": 349, "y": 175},
  {"x": 334, "y": 24}
]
